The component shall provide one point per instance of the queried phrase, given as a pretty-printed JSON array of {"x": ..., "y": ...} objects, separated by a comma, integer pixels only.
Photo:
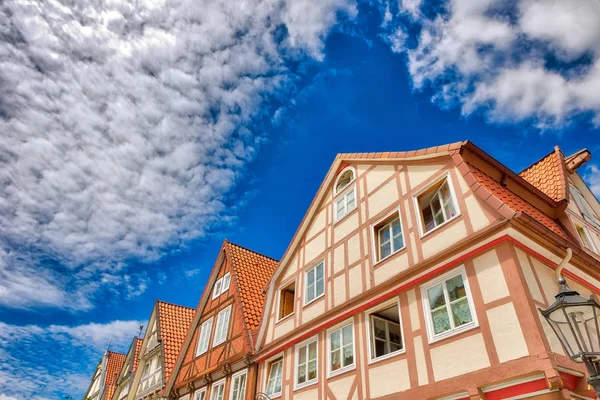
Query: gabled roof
[
  {"x": 173, "y": 322},
  {"x": 114, "y": 364},
  {"x": 252, "y": 272},
  {"x": 136, "y": 353},
  {"x": 549, "y": 175}
]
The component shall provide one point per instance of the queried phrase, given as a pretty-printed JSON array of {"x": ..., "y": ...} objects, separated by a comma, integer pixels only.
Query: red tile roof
[
  {"x": 549, "y": 175},
  {"x": 114, "y": 364},
  {"x": 174, "y": 322},
  {"x": 136, "y": 354},
  {"x": 251, "y": 272},
  {"x": 435, "y": 150}
]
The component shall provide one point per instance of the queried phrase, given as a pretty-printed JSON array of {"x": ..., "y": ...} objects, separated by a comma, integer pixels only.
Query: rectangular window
[
  {"x": 306, "y": 363},
  {"x": 388, "y": 236},
  {"x": 217, "y": 289},
  {"x": 585, "y": 238},
  {"x": 222, "y": 326},
  {"x": 436, "y": 206},
  {"x": 217, "y": 392},
  {"x": 186, "y": 397},
  {"x": 274, "y": 377},
  {"x": 238, "y": 387},
  {"x": 226, "y": 281},
  {"x": 385, "y": 332},
  {"x": 204, "y": 336},
  {"x": 341, "y": 348},
  {"x": 345, "y": 204},
  {"x": 449, "y": 306},
  {"x": 315, "y": 283},
  {"x": 287, "y": 300},
  {"x": 200, "y": 394}
]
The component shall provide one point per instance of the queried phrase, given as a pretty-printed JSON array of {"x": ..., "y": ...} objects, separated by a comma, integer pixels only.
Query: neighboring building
[
  {"x": 127, "y": 372},
  {"x": 216, "y": 360},
  {"x": 167, "y": 327},
  {"x": 105, "y": 376},
  {"x": 418, "y": 275}
]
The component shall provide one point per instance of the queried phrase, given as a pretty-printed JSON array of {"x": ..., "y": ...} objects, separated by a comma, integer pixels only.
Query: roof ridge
[
  {"x": 404, "y": 153},
  {"x": 250, "y": 250},
  {"x": 173, "y": 304}
]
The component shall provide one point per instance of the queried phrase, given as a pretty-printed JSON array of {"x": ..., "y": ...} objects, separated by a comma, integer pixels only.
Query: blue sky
[{"x": 134, "y": 139}]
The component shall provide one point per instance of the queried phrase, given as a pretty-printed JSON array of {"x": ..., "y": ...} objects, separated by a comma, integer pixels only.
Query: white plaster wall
[
  {"x": 490, "y": 276},
  {"x": 417, "y": 174},
  {"x": 353, "y": 247},
  {"x": 307, "y": 394},
  {"x": 444, "y": 239},
  {"x": 388, "y": 378},
  {"x": 383, "y": 198},
  {"x": 313, "y": 310},
  {"x": 339, "y": 260},
  {"x": 507, "y": 333},
  {"x": 284, "y": 327},
  {"x": 459, "y": 357},
  {"x": 413, "y": 308},
  {"x": 390, "y": 268},
  {"x": 534, "y": 288},
  {"x": 476, "y": 214},
  {"x": 547, "y": 280},
  {"x": 355, "y": 278},
  {"x": 378, "y": 175},
  {"x": 553, "y": 341},
  {"x": 318, "y": 224},
  {"x": 341, "y": 387},
  {"x": 420, "y": 359},
  {"x": 339, "y": 290},
  {"x": 315, "y": 247},
  {"x": 344, "y": 227}
]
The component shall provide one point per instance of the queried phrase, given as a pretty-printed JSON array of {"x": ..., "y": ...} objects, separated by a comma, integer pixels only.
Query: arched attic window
[
  {"x": 344, "y": 180},
  {"x": 345, "y": 203}
]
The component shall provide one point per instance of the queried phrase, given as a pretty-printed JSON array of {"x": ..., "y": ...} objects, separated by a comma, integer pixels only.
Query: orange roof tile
[
  {"x": 252, "y": 272},
  {"x": 138, "y": 347},
  {"x": 515, "y": 202},
  {"x": 114, "y": 364},
  {"x": 174, "y": 322},
  {"x": 549, "y": 175},
  {"x": 404, "y": 154}
]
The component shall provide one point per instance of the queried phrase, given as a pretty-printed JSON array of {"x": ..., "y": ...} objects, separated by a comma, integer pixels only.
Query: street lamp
[{"x": 575, "y": 320}]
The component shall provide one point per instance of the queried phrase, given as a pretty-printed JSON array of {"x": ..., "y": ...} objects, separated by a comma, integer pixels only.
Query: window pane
[
  {"x": 439, "y": 218},
  {"x": 301, "y": 373},
  {"x": 441, "y": 322},
  {"x": 350, "y": 197},
  {"x": 449, "y": 209},
  {"x": 445, "y": 192},
  {"x": 436, "y": 206},
  {"x": 335, "y": 360},
  {"x": 312, "y": 370},
  {"x": 456, "y": 288},
  {"x": 394, "y": 332},
  {"x": 312, "y": 351},
  {"x": 380, "y": 348},
  {"x": 302, "y": 355},
  {"x": 335, "y": 340},
  {"x": 461, "y": 312},
  {"x": 347, "y": 334},
  {"x": 348, "y": 356},
  {"x": 319, "y": 271},
  {"x": 310, "y": 277},
  {"x": 379, "y": 328},
  {"x": 396, "y": 227},
  {"x": 436, "y": 297},
  {"x": 398, "y": 243},
  {"x": 384, "y": 234},
  {"x": 320, "y": 287},
  {"x": 385, "y": 250}
]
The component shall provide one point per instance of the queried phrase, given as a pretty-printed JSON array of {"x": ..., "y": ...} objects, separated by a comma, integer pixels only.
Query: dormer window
[{"x": 345, "y": 178}]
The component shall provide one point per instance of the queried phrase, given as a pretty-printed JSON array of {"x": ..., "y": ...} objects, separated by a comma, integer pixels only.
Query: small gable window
[
  {"x": 346, "y": 202},
  {"x": 388, "y": 236},
  {"x": 221, "y": 285},
  {"x": 585, "y": 238},
  {"x": 222, "y": 326},
  {"x": 437, "y": 205},
  {"x": 287, "y": 297},
  {"x": 204, "y": 337},
  {"x": 315, "y": 283},
  {"x": 344, "y": 179}
]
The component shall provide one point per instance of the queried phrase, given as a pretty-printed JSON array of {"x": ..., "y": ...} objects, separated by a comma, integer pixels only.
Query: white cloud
[
  {"x": 515, "y": 61},
  {"x": 592, "y": 177},
  {"x": 124, "y": 124},
  {"x": 68, "y": 354}
]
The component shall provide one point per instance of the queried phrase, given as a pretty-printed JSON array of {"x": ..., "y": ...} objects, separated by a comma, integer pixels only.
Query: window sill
[
  {"x": 449, "y": 334},
  {"x": 341, "y": 371},
  {"x": 306, "y": 384},
  {"x": 313, "y": 300},
  {"x": 383, "y": 260},
  {"x": 284, "y": 318},
  {"x": 387, "y": 356},
  {"x": 439, "y": 226}
]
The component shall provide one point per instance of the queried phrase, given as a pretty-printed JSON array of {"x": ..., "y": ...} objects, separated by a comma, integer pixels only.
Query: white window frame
[
  {"x": 185, "y": 397},
  {"x": 281, "y": 288},
  {"x": 344, "y": 195},
  {"x": 586, "y": 232},
  {"x": 375, "y": 236},
  {"x": 235, "y": 376},
  {"x": 217, "y": 340},
  {"x": 417, "y": 206},
  {"x": 314, "y": 267},
  {"x": 209, "y": 324},
  {"x": 214, "y": 385},
  {"x": 276, "y": 358},
  {"x": 425, "y": 298},
  {"x": 340, "y": 326},
  {"x": 198, "y": 392},
  {"x": 305, "y": 343},
  {"x": 387, "y": 304},
  {"x": 226, "y": 283},
  {"x": 337, "y": 179},
  {"x": 217, "y": 288}
]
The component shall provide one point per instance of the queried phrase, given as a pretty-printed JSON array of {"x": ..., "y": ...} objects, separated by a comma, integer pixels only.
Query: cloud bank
[
  {"x": 123, "y": 126},
  {"x": 520, "y": 61}
]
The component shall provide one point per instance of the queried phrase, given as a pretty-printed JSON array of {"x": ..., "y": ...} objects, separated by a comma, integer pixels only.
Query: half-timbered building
[
  {"x": 105, "y": 376},
  {"x": 127, "y": 372},
  {"x": 165, "y": 333},
  {"x": 216, "y": 361},
  {"x": 418, "y": 275}
]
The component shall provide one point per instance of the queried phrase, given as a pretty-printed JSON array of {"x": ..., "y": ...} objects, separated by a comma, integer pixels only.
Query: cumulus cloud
[
  {"x": 528, "y": 60},
  {"x": 57, "y": 359},
  {"x": 124, "y": 124}
]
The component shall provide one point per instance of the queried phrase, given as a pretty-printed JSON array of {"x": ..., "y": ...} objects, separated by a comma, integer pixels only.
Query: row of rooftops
[{"x": 252, "y": 271}]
